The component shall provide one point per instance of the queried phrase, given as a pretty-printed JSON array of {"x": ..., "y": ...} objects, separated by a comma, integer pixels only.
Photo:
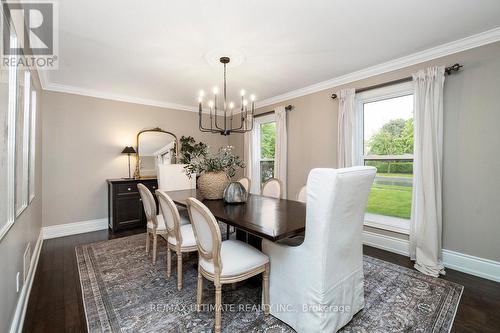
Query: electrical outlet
[{"x": 18, "y": 282}]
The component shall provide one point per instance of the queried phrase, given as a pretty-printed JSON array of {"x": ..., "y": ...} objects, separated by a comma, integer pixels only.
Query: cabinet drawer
[{"x": 126, "y": 188}]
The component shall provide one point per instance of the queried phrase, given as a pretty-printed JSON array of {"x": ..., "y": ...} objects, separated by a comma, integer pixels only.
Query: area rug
[{"x": 123, "y": 292}]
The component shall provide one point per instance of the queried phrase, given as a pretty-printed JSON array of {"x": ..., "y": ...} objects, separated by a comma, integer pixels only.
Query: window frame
[
  {"x": 256, "y": 150},
  {"x": 389, "y": 223}
]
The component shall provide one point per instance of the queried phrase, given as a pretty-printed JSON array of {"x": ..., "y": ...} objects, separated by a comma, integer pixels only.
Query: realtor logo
[{"x": 29, "y": 34}]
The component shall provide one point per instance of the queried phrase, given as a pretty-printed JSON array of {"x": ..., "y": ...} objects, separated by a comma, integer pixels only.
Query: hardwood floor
[{"x": 55, "y": 303}]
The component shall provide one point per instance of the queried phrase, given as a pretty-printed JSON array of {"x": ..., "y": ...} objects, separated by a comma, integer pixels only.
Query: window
[
  {"x": 264, "y": 140},
  {"x": 387, "y": 144}
]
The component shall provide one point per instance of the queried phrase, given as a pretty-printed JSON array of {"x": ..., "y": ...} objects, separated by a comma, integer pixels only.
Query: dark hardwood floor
[{"x": 55, "y": 303}]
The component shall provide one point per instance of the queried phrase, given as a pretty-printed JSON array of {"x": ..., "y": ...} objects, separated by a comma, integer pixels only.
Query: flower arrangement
[{"x": 222, "y": 161}]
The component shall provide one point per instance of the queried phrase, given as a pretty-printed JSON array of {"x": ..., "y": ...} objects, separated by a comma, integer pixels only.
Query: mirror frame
[{"x": 137, "y": 173}]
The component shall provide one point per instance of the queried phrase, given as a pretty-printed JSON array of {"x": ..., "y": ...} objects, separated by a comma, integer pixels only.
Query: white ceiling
[{"x": 156, "y": 50}]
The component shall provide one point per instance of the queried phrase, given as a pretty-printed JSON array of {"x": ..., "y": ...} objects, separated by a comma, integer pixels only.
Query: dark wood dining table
[{"x": 264, "y": 217}]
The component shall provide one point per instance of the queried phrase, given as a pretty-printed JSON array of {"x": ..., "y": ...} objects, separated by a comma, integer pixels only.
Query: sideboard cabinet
[{"x": 125, "y": 208}]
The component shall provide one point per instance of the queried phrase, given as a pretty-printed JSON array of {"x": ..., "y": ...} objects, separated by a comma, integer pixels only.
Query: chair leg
[
  {"x": 228, "y": 231},
  {"x": 179, "y": 270},
  {"x": 199, "y": 290},
  {"x": 169, "y": 262},
  {"x": 155, "y": 243},
  {"x": 147, "y": 242},
  {"x": 265, "y": 287},
  {"x": 218, "y": 308}
]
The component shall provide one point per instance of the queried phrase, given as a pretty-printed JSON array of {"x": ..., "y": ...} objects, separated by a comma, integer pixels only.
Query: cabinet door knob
[
  {"x": 129, "y": 189},
  {"x": 140, "y": 199},
  {"x": 154, "y": 187}
]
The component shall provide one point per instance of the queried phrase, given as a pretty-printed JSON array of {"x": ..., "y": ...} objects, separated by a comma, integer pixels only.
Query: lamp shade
[{"x": 128, "y": 150}]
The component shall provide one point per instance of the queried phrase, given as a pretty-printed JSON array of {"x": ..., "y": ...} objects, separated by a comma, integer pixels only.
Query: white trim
[
  {"x": 68, "y": 229},
  {"x": 115, "y": 97},
  {"x": 390, "y": 223},
  {"x": 22, "y": 303},
  {"x": 480, "y": 39},
  {"x": 256, "y": 185},
  {"x": 484, "y": 268}
]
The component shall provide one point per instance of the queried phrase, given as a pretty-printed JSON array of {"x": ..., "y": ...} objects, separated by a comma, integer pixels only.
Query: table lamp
[{"x": 128, "y": 151}]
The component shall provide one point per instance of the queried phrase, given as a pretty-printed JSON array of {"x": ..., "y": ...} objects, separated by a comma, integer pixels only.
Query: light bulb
[
  {"x": 242, "y": 92},
  {"x": 245, "y": 102},
  {"x": 252, "y": 98},
  {"x": 215, "y": 90},
  {"x": 231, "y": 105},
  {"x": 202, "y": 93},
  {"x": 211, "y": 103}
]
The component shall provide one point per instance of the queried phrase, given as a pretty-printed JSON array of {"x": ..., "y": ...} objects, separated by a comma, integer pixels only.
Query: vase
[
  {"x": 235, "y": 193},
  {"x": 212, "y": 184}
]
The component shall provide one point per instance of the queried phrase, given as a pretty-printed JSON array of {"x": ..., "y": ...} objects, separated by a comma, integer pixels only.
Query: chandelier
[{"x": 221, "y": 121}]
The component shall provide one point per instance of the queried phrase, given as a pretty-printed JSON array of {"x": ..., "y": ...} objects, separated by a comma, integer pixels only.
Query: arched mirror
[{"x": 154, "y": 146}]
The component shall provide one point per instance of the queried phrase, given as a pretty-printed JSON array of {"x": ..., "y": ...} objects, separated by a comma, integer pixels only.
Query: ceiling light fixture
[{"x": 228, "y": 112}]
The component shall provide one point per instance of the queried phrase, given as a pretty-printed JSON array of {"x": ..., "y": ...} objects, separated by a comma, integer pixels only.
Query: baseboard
[
  {"x": 22, "y": 303},
  {"x": 484, "y": 268},
  {"x": 68, "y": 229}
]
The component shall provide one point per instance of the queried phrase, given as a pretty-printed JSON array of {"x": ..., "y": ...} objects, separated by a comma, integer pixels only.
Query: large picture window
[
  {"x": 387, "y": 144},
  {"x": 264, "y": 136}
]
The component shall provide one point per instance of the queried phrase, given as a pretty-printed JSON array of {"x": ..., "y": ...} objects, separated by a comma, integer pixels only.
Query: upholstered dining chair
[
  {"x": 246, "y": 182},
  {"x": 302, "y": 195},
  {"x": 272, "y": 188},
  {"x": 155, "y": 224},
  {"x": 172, "y": 177},
  {"x": 223, "y": 262},
  {"x": 180, "y": 237},
  {"x": 326, "y": 270}
]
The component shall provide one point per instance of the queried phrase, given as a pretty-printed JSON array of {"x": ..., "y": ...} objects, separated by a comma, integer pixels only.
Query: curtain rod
[
  {"x": 287, "y": 108},
  {"x": 448, "y": 70}
]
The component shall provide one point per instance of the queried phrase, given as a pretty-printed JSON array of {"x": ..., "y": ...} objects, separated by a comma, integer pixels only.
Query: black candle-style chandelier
[{"x": 245, "y": 115}]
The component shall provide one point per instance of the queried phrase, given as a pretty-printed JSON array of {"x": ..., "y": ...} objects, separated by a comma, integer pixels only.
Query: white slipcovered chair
[
  {"x": 302, "y": 196},
  {"x": 223, "y": 262},
  {"x": 155, "y": 224},
  {"x": 327, "y": 269},
  {"x": 272, "y": 188},
  {"x": 246, "y": 183},
  {"x": 172, "y": 177},
  {"x": 180, "y": 237}
]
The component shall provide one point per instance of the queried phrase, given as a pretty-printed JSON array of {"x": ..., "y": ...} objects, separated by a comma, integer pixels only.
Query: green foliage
[
  {"x": 267, "y": 140},
  {"x": 391, "y": 167},
  {"x": 190, "y": 149},
  {"x": 224, "y": 160},
  {"x": 394, "y": 138}
]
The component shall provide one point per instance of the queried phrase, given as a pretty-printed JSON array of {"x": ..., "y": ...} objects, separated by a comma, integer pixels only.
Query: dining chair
[
  {"x": 172, "y": 177},
  {"x": 246, "y": 182},
  {"x": 302, "y": 195},
  {"x": 326, "y": 270},
  {"x": 272, "y": 188},
  {"x": 225, "y": 262},
  {"x": 180, "y": 237},
  {"x": 155, "y": 223}
]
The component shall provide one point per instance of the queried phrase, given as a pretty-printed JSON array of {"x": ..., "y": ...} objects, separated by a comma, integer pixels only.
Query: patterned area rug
[{"x": 124, "y": 292}]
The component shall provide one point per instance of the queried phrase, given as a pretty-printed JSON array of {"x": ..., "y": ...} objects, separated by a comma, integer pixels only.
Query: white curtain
[
  {"x": 281, "y": 150},
  {"x": 426, "y": 221},
  {"x": 348, "y": 138},
  {"x": 247, "y": 156}
]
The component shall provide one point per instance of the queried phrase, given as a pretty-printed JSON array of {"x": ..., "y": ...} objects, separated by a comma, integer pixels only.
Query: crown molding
[
  {"x": 114, "y": 97},
  {"x": 480, "y": 39},
  {"x": 483, "y": 38}
]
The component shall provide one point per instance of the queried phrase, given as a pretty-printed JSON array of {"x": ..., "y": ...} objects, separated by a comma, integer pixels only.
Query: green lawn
[{"x": 390, "y": 200}]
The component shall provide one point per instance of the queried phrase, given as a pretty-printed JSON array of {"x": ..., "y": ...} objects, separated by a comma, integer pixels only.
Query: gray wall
[
  {"x": 26, "y": 229},
  {"x": 82, "y": 140},
  {"x": 471, "y": 139}
]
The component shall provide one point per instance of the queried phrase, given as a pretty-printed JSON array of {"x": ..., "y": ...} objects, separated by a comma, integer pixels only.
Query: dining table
[{"x": 259, "y": 217}]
